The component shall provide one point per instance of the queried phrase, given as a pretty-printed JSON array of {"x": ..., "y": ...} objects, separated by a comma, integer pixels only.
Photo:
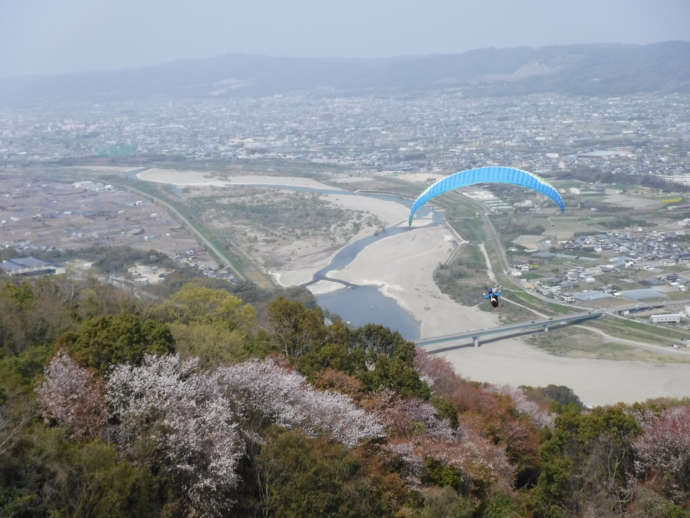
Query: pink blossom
[
  {"x": 527, "y": 407},
  {"x": 72, "y": 396},
  {"x": 665, "y": 442},
  {"x": 412, "y": 416},
  {"x": 435, "y": 371},
  {"x": 206, "y": 417}
]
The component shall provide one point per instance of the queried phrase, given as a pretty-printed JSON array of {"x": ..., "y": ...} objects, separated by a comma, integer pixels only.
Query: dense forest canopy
[{"x": 197, "y": 404}]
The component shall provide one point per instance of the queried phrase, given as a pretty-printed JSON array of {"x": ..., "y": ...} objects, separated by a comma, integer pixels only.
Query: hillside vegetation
[{"x": 199, "y": 405}]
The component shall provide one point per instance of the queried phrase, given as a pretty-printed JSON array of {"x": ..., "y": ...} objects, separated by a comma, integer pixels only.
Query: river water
[{"x": 361, "y": 305}]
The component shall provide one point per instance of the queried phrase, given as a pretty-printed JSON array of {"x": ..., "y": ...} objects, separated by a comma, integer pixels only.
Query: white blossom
[
  {"x": 264, "y": 389},
  {"x": 525, "y": 406},
  {"x": 200, "y": 420},
  {"x": 200, "y": 439}
]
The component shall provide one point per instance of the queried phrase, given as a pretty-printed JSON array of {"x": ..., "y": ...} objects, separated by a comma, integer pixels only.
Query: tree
[
  {"x": 408, "y": 417},
  {"x": 663, "y": 449},
  {"x": 445, "y": 502},
  {"x": 267, "y": 393},
  {"x": 587, "y": 459},
  {"x": 524, "y": 406},
  {"x": 196, "y": 424},
  {"x": 73, "y": 396},
  {"x": 312, "y": 477},
  {"x": 562, "y": 395},
  {"x": 195, "y": 303},
  {"x": 398, "y": 374},
  {"x": 295, "y": 328},
  {"x": 49, "y": 475},
  {"x": 189, "y": 423},
  {"x": 104, "y": 341},
  {"x": 210, "y": 324}
]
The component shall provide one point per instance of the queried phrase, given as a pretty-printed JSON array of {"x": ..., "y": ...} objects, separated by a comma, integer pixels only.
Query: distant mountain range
[{"x": 610, "y": 70}]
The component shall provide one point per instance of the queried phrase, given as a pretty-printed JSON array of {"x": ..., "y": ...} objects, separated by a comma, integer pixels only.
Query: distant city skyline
[{"x": 38, "y": 37}]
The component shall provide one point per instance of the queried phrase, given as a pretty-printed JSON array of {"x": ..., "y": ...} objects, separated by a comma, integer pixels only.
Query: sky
[{"x": 43, "y": 37}]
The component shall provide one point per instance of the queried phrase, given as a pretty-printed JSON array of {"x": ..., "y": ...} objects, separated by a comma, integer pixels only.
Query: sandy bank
[
  {"x": 596, "y": 382},
  {"x": 210, "y": 179},
  {"x": 304, "y": 256},
  {"x": 402, "y": 266},
  {"x": 389, "y": 212},
  {"x": 418, "y": 178},
  {"x": 322, "y": 287}
]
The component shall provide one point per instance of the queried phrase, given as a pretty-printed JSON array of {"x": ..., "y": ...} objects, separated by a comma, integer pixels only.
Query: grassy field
[
  {"x": 464, "y": 216},
  {"x": 637, "y": 330},
  {"x": 510, "y": 313},
  {"x": 533, "y": 302},
  {"x": 580, "y": 343},
  {"x": 464, "y": 278}
]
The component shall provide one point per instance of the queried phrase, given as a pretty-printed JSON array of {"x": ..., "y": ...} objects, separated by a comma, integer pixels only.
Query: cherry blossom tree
[
  {"x": 435, "y": 371},
  {"x": 524, "y": 406},
  {"x": 73, "y": 396},
  {"x": 474, "y": 456},
  {"x": 187, "y": 416},
  {"x": 264, "y": 392},
  {"x": 411, "y": 416},
  {"x": 441, "y": 377},
  {"x": 201, "y": 421},
  {"x": 664, "y": 446}
]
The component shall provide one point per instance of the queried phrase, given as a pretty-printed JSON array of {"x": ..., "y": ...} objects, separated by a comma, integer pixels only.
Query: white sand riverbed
[
  {"x": 596, "y": 382},
  {"x": 206, "y": 179},
  {"x": 402, "y": 266}
]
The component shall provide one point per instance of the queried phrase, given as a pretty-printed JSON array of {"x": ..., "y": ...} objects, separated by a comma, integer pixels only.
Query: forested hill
[
  {"x": 200, "y": 405},
  {"x": 574, "y": 69}
]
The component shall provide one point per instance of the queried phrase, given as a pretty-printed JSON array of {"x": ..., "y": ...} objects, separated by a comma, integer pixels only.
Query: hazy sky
[{"x": 58, "y": 36}]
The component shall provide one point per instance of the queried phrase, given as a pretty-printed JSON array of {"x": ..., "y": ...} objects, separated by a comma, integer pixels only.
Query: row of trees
[{"x": 198, "y": 405}]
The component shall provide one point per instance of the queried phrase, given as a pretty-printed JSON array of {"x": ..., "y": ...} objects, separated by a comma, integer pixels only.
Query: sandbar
[
  {"x": 595, "y": 381},
  {"x": 402, "y": 266},
  {"x": 210, "y": 179}
]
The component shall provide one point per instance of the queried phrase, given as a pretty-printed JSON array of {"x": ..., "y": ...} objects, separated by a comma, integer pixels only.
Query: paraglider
[
  {"x": 493, "y": 174},
  {"x": 492, "y": 294}
]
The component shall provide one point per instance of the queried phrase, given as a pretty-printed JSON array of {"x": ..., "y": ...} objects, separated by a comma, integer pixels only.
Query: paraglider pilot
[{"x": 492, "y": 294}]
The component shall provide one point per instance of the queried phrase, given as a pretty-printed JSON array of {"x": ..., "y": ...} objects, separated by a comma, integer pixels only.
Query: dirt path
[{"x": 489, "y": 268}]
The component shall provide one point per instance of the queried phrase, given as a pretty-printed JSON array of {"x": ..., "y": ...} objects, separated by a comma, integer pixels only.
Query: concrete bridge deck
[{"x": 535, "y": 325}]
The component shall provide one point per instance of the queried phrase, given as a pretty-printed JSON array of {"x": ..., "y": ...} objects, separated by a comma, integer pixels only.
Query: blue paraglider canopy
[{"x": 492, "y": 174}]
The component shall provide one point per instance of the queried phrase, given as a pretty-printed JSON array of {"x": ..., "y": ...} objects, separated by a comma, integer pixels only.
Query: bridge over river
[{"x": 458, "y": 339}]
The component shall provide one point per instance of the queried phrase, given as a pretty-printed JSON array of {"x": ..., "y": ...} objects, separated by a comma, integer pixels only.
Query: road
[{"x": 220, "y": 255}]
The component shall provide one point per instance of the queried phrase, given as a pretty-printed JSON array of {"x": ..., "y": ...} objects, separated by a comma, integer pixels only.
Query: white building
[{"x": 666, "y": 318}]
